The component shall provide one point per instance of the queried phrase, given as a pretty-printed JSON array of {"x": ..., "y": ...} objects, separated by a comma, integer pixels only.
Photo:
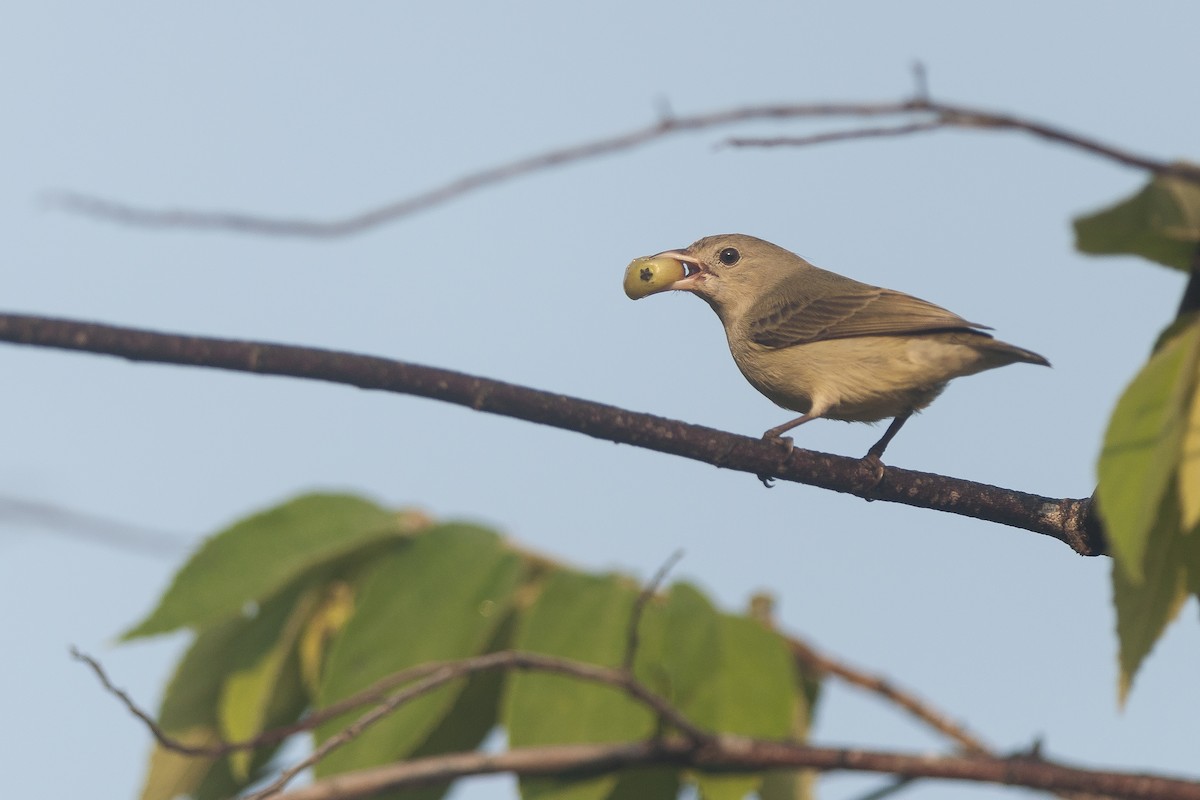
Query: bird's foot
[
  {"x": 786, "y": 441},
  {"x": 870, "y": 474}
]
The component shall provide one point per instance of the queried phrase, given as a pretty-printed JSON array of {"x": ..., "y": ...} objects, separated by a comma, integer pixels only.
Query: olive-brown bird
[{"x": 822, "y": 344}]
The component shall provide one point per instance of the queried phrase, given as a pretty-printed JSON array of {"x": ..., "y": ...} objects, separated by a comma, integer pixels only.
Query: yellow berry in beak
[{"x": 646, "y": 276}]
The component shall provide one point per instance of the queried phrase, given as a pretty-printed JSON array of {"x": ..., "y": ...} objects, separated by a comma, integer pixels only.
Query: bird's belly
[{"x": 862, "y": 379}]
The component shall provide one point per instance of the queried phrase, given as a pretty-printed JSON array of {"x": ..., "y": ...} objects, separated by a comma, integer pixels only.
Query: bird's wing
[{"x": 782, "y": 321}]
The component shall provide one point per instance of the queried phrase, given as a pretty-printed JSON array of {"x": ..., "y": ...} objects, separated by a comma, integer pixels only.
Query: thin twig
[
  {"x": 1068, "y": 520},
  {"x": 618, "y": 678},
  {"x": 163, "y": 738},
  {"x": 920, "y": 81},
  {"x": 921, "y": 709},
  {"x": 877, "y": 684},
  {"x": 835, "y": 136},
  {"x": 421, "y": 680},
  {"x": 639, "y": 607},
  {"x": 357, "y": 728},
  {"x": 91, "y": 527},
  {"x": 947, "y": 115}
]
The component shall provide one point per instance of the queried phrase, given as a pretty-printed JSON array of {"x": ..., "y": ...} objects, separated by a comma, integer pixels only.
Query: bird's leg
[
  {"x": 876, "y": 451},
  {"x": 872, "y": 459},
  {"x": 775, "y": 434},
  {"x": 778, "y": 431}
]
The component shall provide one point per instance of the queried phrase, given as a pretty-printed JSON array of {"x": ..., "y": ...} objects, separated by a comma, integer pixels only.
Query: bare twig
[
  {"x": 639, "y": 607},
  {"x": 944, "y": 115},
  {"x": 877, "y": 684},
  {"x": 735, "y": 754},
  {"x": 699, "y": 750},
  {"x": 1068, "y": 520},
  {"x": 947, "y": 115},
  {"x": 920, "y": 81},
  {"x": 921, "y": 709},
  {"x": 158, "y": 733},
  {"x": 619, "y": 678},
  {"x": 91, "y": 527},
  {"x": 358, "y": 727},
  {"x": 421, "y": 680},
  {"x": 836, "y": 136}
]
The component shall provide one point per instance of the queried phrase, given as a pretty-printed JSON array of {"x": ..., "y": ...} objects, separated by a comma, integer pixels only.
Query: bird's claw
[
  {"x": 788, "y": 446},
  {"x": 872, "y": 470}
]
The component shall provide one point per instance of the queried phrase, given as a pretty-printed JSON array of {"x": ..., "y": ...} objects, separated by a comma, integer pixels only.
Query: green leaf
[
  {"x": 660, "y": 783},
  {"x": 190, "y": 706},
  {"x": 441, "y": 597},
  {"x": 691, "y": 635},
  {"x": 331, "y": 614},
  {"x": 1161, "y": 223},
  {"x": 788, "y": 785},
  {"x": 1189, "y": 464},
  {"x": 172, "y": 774},
  {"x": 256, "y": 557},
  {"x": 585, "y": 618},
  {"x": 1142, "y": 447},
  {"x": 1144, "y": 608},
  {"x": 751, "y": 688},
  {"x": 797, "y": 784},
  {"x": 248, "y": 694},
  {"x": 464, "y": 727},
  {"x": 1191, "y": 559},
  {"x": 752, "y": 692}
]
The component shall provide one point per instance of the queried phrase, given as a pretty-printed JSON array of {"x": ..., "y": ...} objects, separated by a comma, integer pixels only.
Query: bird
[{"x": 821, "y": 344}]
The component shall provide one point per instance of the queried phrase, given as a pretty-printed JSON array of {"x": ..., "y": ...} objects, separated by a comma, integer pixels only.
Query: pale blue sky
[{"x": 324, "y": 109}]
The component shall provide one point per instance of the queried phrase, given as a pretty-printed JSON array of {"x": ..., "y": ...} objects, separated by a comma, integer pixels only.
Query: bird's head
[{"x": 729, "y": 271}]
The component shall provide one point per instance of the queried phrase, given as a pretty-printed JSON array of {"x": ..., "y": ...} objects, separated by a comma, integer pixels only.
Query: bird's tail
[{"x": 1011, "y": 353}]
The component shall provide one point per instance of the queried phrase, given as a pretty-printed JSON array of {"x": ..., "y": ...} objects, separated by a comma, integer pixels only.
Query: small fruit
[{"x": 646, "y": 276}]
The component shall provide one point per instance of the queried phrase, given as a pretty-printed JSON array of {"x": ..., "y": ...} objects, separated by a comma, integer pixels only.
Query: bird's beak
[{"x": 670, "y": 269}]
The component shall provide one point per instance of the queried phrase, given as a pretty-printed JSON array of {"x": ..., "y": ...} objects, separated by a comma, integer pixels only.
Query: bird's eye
[{"x": 729, "y": 256}]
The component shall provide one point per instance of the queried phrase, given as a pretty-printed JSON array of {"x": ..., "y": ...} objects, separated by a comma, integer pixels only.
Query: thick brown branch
[
  {"x": 729, "y": 754},
  {"x": 943, "y": 115},
  {"x": 1067, "y": 520}
]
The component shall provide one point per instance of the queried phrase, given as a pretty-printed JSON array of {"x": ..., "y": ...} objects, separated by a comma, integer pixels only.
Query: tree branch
[
  {"x": 633, "y": 634},
  {"x": 700, "y": 750},
  {"x": 421, "y": 680},
  {"x": 450, "y": 671},
  {"x": 735, "y": 754},
  {"x": 968, "y": 743},
  {"x": 92, "y": 528},
  {"x": 917, "y": 113},
  {"x": 1069, "y": 520},
  {"x": 879, "y": 685}
]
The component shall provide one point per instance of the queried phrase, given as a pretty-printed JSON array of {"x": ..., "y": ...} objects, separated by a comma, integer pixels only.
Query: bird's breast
[{"x": 861, "y": 379}]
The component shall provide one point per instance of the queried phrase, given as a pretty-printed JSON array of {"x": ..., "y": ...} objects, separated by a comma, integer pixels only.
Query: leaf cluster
[
  {"x": 1149, "y": 469},
  {"x": 302, "y": 607}
]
